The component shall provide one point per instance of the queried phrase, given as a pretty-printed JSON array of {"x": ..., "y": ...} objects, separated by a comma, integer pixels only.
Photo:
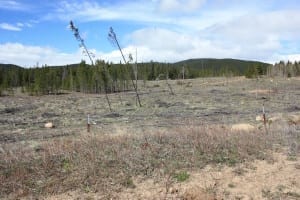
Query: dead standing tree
[
  {"x": 168, "y": 84},
  {"x": 113, "y": 38},
  {"x": 75, "y": 30}
]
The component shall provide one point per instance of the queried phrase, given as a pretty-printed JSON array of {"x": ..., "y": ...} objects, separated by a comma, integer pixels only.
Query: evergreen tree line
[
  {"x": 284, "y": 69},
  {"x": 104, "y": 77},
  {"x": 255, "y": 71},
  {"x": 81, "y": 78}
]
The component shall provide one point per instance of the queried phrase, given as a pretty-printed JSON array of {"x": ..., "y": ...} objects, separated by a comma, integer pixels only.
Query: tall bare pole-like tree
[
  {"x": 113, "y": 38},
  {"x": 75, "y": 30}
]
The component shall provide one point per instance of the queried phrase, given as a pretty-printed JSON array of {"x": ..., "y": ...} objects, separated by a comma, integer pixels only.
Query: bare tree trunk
[
  {"x": 170, "y": 87},
  {"x": 167, "y": 78},
  {"x": 114, "y": 39},
  {"x": 136, "y": 93},
  {"x": 108, "y": 101},
  {"x": 82, "y": 44}
]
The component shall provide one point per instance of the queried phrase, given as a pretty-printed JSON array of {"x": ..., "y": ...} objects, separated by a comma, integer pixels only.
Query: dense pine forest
[{"x": 110, "y": 78}]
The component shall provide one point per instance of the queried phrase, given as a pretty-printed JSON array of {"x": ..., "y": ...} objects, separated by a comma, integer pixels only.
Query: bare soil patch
[{"x": 276, "y": 178}]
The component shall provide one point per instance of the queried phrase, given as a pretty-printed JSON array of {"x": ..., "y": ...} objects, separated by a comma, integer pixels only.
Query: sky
[{"x": 36, "y": 33}]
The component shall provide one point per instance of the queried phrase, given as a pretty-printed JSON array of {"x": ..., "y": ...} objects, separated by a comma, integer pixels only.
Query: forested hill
[
  {"x": 116, "y": 77},
  {"x": 214, "y": 66},
  {"x": 9, "y": 66},
  {"x": 218, "y": 66},
  {"x": 198, "y": 64}
]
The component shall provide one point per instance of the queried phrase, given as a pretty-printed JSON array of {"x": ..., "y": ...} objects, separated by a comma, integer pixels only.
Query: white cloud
[
  {"x": 284, "y": 57},
  {"x": 12, "y": 5},
  {"x": 28, "y": 56},
  {"x": 261, "y": 36},
  {"x": 179, "y": 14},
  {"x": 257, "y": 26},
  {"x": 165, "y": 45},
  {"x": 10, "y": 27},
  {"x": 19, "y": 24},
  {"x": 86, "y": 11},
  {"x": 15, "y": 27},
  {"x": 180, "y": 5},
  {"x": 292, "y": 57}
]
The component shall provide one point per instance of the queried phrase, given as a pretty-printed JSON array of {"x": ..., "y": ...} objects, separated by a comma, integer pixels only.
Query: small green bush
[{"x": 181, "y": 176}]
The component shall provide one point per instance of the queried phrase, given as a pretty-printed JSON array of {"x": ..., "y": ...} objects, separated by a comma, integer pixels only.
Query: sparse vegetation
[
  {"x": 170, "y": 138},
  {"x": 108, "y": 162},
  {"x": 279, "y": 194}
]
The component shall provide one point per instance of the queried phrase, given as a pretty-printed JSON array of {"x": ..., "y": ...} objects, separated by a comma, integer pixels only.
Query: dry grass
[
  {"x": 163, "y": 143},
  {"x": 108, "y": 163}
]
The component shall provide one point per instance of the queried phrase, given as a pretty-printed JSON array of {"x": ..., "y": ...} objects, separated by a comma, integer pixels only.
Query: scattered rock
[
  {"x": 294, "y": 119},
  {"x": 49, "y": 125},
  {"x": 242, "y": 127},
  {"x": 259, "y": 118}
]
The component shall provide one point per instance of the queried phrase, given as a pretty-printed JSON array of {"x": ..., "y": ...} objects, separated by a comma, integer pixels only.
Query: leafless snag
[
  {"x": 75, "y": 30},
  {"x": 264, "y": 119},
  {"x": 167, "y": 78},
  {"x": 113, "y": 39}
]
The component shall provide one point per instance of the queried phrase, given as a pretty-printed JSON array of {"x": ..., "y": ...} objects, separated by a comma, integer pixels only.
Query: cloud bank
[{"x": 173, "y": 30}]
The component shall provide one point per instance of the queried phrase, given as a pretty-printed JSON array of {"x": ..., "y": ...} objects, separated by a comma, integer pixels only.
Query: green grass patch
[{"x": 181, "y": 176}]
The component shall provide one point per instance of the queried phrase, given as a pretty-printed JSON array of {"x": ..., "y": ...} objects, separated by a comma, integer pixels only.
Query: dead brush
[{"x": 108, "y": 163}]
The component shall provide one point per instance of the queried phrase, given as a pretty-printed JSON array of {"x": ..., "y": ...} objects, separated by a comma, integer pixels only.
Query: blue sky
[{"x": 34, "y": 31}]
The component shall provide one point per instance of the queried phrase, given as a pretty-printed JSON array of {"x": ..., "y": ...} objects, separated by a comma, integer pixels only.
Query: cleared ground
[
  {"x": 202, "y": 101},
  {"x": 209, "y": 105}
]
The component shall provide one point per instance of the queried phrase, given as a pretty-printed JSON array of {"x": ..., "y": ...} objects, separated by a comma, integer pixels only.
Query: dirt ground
[
  {"x": 201, "y": 102},
  {"x": 277, "y": 178}
]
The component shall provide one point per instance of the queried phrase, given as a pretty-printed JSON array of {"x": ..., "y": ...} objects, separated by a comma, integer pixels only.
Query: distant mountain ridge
[
  {"x": 197, "y": 63},
  {"x": 216, "y": 60},
  {"x": 216, "y": 64},
  {"x": 3, "y": 66}
]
